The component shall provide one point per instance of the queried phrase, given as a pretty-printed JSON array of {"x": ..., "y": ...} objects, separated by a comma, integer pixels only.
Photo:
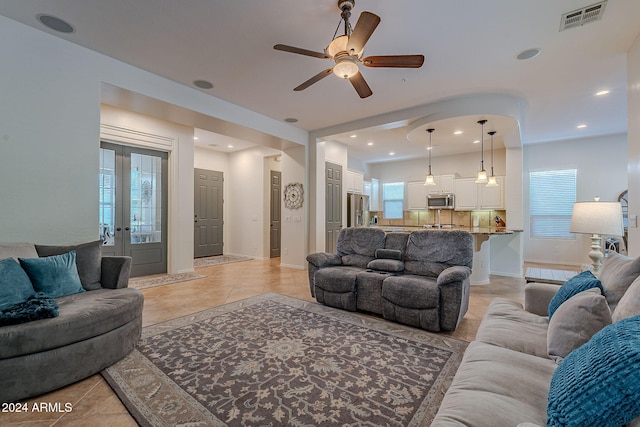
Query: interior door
[
  {"x": 133, "y": 206},
  {"x": 208, "y": 220},
  {"x": 275, "y": 205},
  {"x": 333, "y": 219}
]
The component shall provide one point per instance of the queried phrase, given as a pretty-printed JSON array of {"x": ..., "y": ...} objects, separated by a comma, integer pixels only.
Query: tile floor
[{"x": 94, "y": 403}]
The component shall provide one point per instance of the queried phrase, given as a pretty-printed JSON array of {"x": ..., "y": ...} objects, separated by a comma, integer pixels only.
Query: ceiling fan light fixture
[
  {"x": 345, "y": 67},
  {"x": 337, "y": 45}
]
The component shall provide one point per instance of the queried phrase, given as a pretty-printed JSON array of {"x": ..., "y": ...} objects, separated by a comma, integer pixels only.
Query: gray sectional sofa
[
  {"x": 419, "y": 278},
  {"x": 93, "y": 330},
  {"x": 506, "y": 374}
]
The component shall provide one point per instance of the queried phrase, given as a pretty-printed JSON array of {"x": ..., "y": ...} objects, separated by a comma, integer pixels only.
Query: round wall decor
[{"x": 293, "y": 195}]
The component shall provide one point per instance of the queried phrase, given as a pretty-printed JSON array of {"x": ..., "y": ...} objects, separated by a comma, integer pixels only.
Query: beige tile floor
[{"x": 95, "y": 404}]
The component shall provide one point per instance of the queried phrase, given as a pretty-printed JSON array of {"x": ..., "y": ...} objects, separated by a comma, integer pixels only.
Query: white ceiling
[{"x": 470, "y": 47}]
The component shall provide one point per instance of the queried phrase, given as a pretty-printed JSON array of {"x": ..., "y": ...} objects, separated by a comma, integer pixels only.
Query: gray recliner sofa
[
  {"x": 93, "y": 330},
  {"x": 419, "y": 278}
]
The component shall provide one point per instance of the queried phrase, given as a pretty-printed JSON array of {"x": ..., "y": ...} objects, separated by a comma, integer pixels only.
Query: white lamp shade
[
  {"x": 482, "y": 177},
  {"x": 604, "y": 218},
  {"x": 429, "y": 180},
  {"x": 337, "y": 45},
  {"x": 493, "y": 182}
]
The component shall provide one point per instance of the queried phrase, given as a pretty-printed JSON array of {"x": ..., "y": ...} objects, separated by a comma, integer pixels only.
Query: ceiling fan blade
[
  {"x": 394, "y": 61},
  {"x": 321, "y": 75},
  {"x": 300, "y": 51},
  {"x": 360, "y": 85},
  {"x": 366, "y": 25}
]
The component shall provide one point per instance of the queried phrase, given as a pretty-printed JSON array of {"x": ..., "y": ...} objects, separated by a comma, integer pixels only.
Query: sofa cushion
[
  {"x": 576, "y": 321},
  {"x": 35, "y": 307},
  {"x": 81, "y": 316},
  {"x": 389, "y": 254},
  {"x": 360, "y": 241},
  {"x": 55, "y": 276},
  {"x": 15, "y": 286},
  {"x": 429, "y": 252},
  {"x": 598, "y": 384},
  {"x": 337, "y": 279},
  {"x": 389, "y": 265},
  {"x": 629, "y": 304},
  {"x": 495, "y": 386},
  {"x": 18, "y": 250},
  {"x": 88, "y": 260},
  {"x": 506, "y": 324},
  {"x": 616, "y": 275},
  {"x": 411, "y": 291},
  {"x": 575, "y": 285}
]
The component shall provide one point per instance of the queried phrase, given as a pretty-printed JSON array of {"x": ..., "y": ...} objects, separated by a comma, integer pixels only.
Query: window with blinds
[
  {"x": 551, "y": 198},
  {"x": 392, "y": 200}
]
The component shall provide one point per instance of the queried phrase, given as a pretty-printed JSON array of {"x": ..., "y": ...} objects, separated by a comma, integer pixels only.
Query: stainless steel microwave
[{"x": 440, "y": 201}]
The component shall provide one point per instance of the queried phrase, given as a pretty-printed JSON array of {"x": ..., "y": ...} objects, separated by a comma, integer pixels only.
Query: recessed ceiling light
[
  {"x": 369, "y": 143},
  {"x": 581, "y": 126},
  {"x": 352, "y": 136},
  {"x": 429, "y": 148},
  {"x": 229, "y": 146},
  {"x": 528, "y": 54},
  {"x": 195, "y": 138},
  {"x": 203, "y": 84},
  {"x": 477, "y": 141},
  {"x": 458, "y": 132},
  {"x": 602, "y": 92},
  {"x": 56, "y": 24},
  {"x": 291, "y": 120},
  {"x": 392, "y": 153}
]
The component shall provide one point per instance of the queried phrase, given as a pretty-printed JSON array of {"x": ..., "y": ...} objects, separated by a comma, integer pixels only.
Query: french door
[{"x": 133, "y": 206}]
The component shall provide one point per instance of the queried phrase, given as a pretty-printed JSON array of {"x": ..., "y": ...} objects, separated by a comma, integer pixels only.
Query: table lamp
[{"x": 598, "y": 219}]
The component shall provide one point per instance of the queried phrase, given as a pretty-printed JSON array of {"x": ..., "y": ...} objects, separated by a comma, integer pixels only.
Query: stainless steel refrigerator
[{"x": 357, "y": 210}]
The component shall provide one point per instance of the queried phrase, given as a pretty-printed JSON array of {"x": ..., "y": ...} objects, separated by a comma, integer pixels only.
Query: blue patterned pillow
[
  {"x": 55, "y": 276},
  {"x": 15, "y": 286},
  {"x": 598, "y": 384},
  {"x": 575, "y": 285}
]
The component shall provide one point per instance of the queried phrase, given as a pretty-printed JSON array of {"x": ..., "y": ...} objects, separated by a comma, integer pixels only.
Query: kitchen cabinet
[
  {"x": 372, "y": 189},
  {"x": 470, "y": 196},
  {"x": 354, "y": 182},
  {"x": 444, "y": 184},
  {"x": 416, "y": 195}
]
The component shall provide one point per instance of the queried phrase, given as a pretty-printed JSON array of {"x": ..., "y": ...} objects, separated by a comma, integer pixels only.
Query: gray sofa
[
  {"x": 506, "y": 373},
  {"x": 93, "y": 330},
  {"x": 419, "y": 278}
]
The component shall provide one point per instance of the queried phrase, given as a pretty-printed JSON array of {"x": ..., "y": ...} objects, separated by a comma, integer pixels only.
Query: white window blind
[
  {"x": 392, "y": 200},
  {"x": 551, "y": 198}
]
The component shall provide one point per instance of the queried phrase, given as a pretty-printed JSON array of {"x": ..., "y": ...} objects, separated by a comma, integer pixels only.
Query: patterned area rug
[
  {"x": 219, "y": 259},
  {"x": 165, "y": 279},
  {"x": 274, "y": 360}
]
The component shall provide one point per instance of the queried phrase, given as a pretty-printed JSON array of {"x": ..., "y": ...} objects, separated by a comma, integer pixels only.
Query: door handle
[
  {"x": 118, "y": 229},
  {"x": 126, "y": 229}
]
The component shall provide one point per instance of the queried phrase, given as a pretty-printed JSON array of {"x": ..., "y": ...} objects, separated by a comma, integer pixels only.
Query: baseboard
[{"x": 298, "y": 267}]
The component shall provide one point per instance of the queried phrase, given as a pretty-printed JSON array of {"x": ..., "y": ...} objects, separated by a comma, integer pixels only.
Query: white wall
[
  {"x": 633, "y": 96},
  {"x": 602, "y": 171},
  {"x": 50, "y": 133},
  {"x": 295, "y": 225}
]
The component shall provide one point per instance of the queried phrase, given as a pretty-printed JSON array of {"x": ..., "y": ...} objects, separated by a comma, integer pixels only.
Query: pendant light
[
  {"x": 492, "y": 179},
  {"x": 482, "y": 174},
  {"x": 429, "y": 180}
]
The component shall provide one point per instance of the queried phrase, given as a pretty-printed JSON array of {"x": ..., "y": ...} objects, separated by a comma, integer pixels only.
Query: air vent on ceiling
[{"x": 579, "y": 17}]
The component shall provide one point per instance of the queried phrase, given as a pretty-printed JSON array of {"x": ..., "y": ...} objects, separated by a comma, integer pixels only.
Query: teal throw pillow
[
  {"x": 598, "y": 384},
  {"x": 578, "y": 283},
  {"x": 55, "y": 276},
  {"x": 15, "y": 286}
]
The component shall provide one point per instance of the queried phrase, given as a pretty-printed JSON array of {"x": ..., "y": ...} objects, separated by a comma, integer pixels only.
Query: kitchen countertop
[{"x": 472, "y": 230}]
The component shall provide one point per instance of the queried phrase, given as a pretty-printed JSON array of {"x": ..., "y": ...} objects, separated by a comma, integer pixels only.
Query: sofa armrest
[
  {"x": 456, "y": 273},
  {"x": 537, "y": 297},
  {"x": 324, "y": 259},
  {"x": 115, "y": 272}
]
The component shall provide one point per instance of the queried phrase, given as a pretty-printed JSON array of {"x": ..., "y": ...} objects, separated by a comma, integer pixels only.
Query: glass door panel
[
  {"x": 107, "y": 196},
  {"x": 146, "y": 199}
]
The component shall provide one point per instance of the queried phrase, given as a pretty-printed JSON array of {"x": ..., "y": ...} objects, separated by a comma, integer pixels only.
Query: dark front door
[
  {"x": 276, "y": 202},
  {"x": 333, "y": 219},
  {"x": 208, "y": 221},
  {"x": 133, "y": 206}
]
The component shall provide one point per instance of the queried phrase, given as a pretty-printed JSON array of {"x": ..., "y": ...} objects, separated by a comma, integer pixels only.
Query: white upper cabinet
[
  {"x": 372, "y": 189},
  {"x": 470, "y": 196},
  {"x": 416, "y": 195},
  {"x": 354, "y": 182}
]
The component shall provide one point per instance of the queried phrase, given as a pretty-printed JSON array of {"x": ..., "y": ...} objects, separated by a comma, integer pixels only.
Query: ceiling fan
[{"x": 347, "y": 50}]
